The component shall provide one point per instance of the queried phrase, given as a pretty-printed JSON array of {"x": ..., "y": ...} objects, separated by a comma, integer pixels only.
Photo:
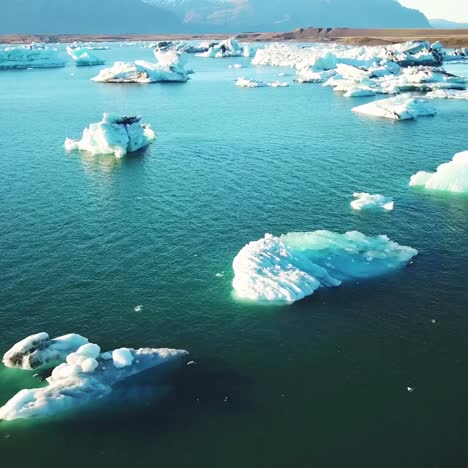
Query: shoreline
[{"x": 448, "y": 37}]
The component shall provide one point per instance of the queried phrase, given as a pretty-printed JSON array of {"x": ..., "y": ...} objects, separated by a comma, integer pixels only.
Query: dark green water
[{"x": 320, "y": 383}]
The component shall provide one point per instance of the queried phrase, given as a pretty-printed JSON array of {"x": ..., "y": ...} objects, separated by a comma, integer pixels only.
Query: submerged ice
[
  {"x": 87, "y": 376},
  {"x": 449, "y": 177},
  {"x": 115, "y": 134},
  {"x": 292, "y": 266}
]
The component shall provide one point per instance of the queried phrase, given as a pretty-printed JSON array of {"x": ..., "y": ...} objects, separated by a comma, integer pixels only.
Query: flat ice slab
[
  {"x": 402, "y": 107},
  {"x": 115, "y": 134},
  {"x": 246, "y": 83},
  {"x": 365, "y": 201},
  {"x": 295, "y": 265},
  {"x": 449, "y": 177}
]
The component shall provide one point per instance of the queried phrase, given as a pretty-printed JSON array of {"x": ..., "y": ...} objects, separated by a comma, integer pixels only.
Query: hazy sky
[{"x": 453, "y": 10}]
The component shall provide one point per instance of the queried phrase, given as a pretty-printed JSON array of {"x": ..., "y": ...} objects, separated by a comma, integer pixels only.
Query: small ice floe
[
  {"x": 115, "y": 134},
  {"x": 138, "y": 308},
  {"x": 366, "y": 201},
  {"x": 236, "y": 66},
  {"x": 245, "y": 83},
  {"x": 191, "y": 363},
  {"x": 83, "y": 57},
  {"x": 397, "y": 108},
  {"x": 410, "y": 389},
  {"x": 220, "y": 274},
  {"x": 292, "y": 266},
  {"x": 228, "y": 48},
  {"x": 449, "y": 177},
  {"x": 81, "y": 379},
  {"x": 433, "y": 321}
]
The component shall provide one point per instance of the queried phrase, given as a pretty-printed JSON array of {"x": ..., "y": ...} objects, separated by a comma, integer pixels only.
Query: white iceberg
[
  {"x": 115, "y": 134},
  {"x": 32, "y": 56},
  {"x": 245, "y": 83},
  {"x": 39, "y": 350},
  {"x": 366, "y": 201},
  {"x": 83, "y": 57},
  {"x": 85, "y": 378},
  {"x": 397, "y": 108},
  {"x": 292, "y": 266},
  {"x": 359, "y": 91},
  {"x": 228, "y": 48},
  {"x": 447, "y": 94},
  {"x": 449, "y": 177},
  {"x": 311, "y": 75}
]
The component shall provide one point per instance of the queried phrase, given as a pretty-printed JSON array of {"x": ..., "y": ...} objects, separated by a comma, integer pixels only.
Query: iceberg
[
  {"x": 292, "y": 266},
  {"x": 228, "y": 48},
  {"x": 447, "y": 94},
  {"x": 311, "y": 75},
  {"x": 244, "y": 83},
  {"x": 32, "y": 56},
  {"x": 397, "y": 108},
  {"x": 115, "y": 134},
  {"x": 83, "y": 57},
  {"x": 39, "y": 350},
  {"x": 168, "y": 68},
  {"x": 449, "y": 177},
  {"x": 366, "y": 201},
  {"x": 88, "y": 376}
]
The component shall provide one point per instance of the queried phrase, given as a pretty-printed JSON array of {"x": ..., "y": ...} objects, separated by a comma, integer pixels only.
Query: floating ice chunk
[
  {"x": 311, "y": 75},
  {"x": 237, "y": 66},
  {"x": 449, "y": 177},
  {"x": 115, "y": 134},
  {"x": 83, "y": 57},
  {"x": 32, "y": 56},
  {"x": 397, "y": 108},
  {"x": 228, "y": 48},
  {"x": 39, "y": 350},
  {"x": 72, "y": 387},
  {"x": 141, "y": 71},
  {"x": 366, "y": 201},
  {"x": 292, "y": 266},
  {"x": 122, "y": 357},
  {"x": 447, "y": 94},
  {"x": 359, "y": 91},
  {"x": 245, "y": 83}
]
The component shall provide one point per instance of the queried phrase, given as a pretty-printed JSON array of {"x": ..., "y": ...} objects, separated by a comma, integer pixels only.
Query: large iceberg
[
  {"x": 449, "y": 177},
  {"x": 292, "y": 266},
  {"x": 246, "y": 83},
  {"x": 115, "y": 134},
  {"x": 87, "y": 376},
  {"x": 228, "y": 48},
  {"x": 397, "y": 108},
  {"x": 83, "y": 57},
  {"x": 169, "y": 68},
  {"x": 365, "y": 201},
  {"x": 32, "y": 56}
]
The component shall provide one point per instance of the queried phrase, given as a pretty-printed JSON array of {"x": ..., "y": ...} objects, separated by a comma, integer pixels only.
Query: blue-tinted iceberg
[
  {"x": 228, "y": 48},
  {"x": 402, "y": 107},
  {"x": 365, "y": 201},
  {"x": 449, "y": 177},
  {"x": 246, "y": 83},
  {"x": 87, "y": 376},
  {"x": 293, "y": 266},
  {"x": 83, "y": 57},
  {"x": 115, "y": 134},
  {"x": 32, "y": 56}
]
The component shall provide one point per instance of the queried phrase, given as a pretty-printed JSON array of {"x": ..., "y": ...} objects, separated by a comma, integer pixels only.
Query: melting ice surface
[
  {"x": 449, "y": 177},
  {"x": 292, "y": 266},
  {"x": 87, "y": 375},
  {"x": 366, "y": 201},
  {"x": 115, "y": 134},
  {"x": 402, "y": 107},
  {"x": 83, "y": 57},
  {"x": 32, "y": 56}
]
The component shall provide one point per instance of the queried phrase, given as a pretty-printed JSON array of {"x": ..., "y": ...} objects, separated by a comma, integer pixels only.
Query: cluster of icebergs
[
  {"x": 292, "y": 266},
  {"x": 82, "y": 375},
  {"x": 115, "y": 134}
]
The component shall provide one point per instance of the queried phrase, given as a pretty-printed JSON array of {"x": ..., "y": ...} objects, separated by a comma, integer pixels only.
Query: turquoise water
[{"x": 320, "y": 383}]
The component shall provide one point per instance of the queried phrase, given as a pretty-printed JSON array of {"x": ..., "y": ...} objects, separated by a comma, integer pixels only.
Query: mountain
[
  {"x": 281, "y": 15},
  {"x": 85, "y": 17},
  {"x": 189, "y": 16},
  {"x": 445, "y": 24}
]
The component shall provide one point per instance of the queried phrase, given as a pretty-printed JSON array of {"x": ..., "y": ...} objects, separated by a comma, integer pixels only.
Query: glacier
[
  {"x": 292, "y": 266},
  {"x": 365, "y": 201},
  {"x": 32, "y": 56},
  {"x": 115, "y": 134},
  {"x": 246, "y": 83},
  {"x": 87, "y": 376},
  {"x": 83, "y": 57},
  {"x": 449, "y": 177},
  {"x": 403, "y": 107}
]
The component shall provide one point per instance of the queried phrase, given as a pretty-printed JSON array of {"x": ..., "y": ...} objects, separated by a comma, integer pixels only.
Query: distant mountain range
[
  {"x": 190, "y": 16},
  {"x": 445, "y": 24}
]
